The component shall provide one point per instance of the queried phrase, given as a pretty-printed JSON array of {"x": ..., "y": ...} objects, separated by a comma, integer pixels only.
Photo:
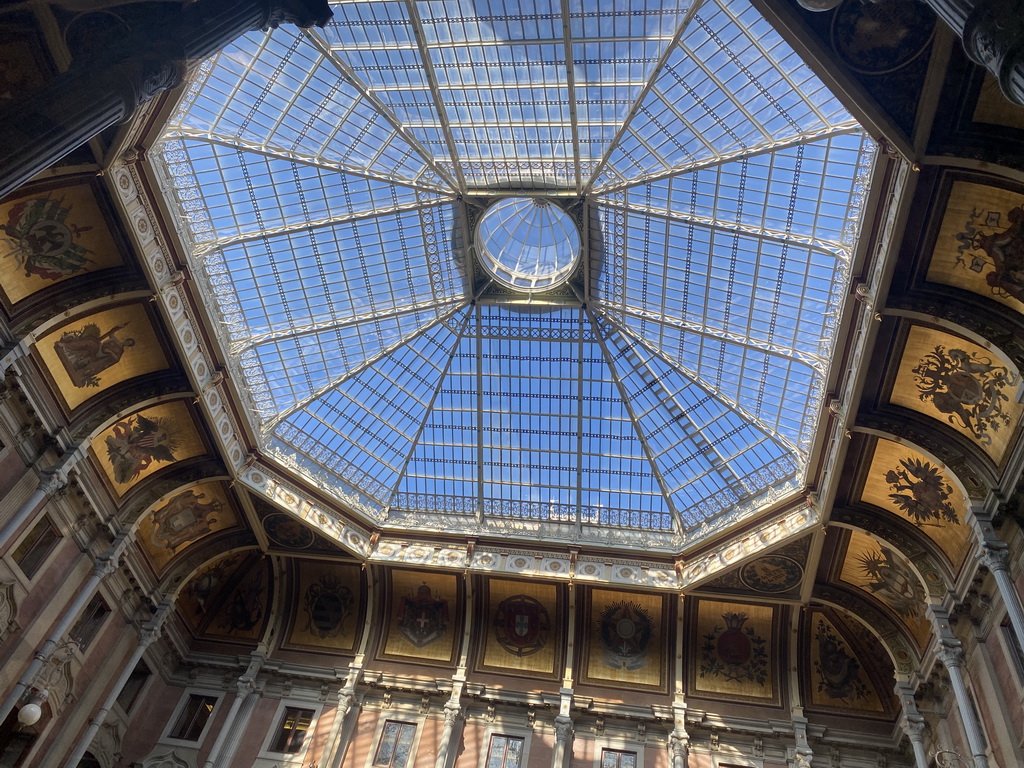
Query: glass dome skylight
[
  {"x": 333, "y": 184},
  {"x": 527, "y": 243}
]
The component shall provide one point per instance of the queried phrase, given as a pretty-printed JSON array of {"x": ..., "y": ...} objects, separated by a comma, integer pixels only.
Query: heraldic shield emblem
[
  {"x": 626, "y": 630},
  {"x": 422, "y": 618},
  {"x": 522, "y": 625}
]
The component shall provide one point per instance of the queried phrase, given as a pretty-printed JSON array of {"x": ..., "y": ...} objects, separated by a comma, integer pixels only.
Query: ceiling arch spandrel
[
  {"x": 185, "y": 519},
  {"x": 884, "y": 574},
  {"x": 961, "y": 384},
  {"x": 980, "y": 241},
  {"x": 921, "y": 491}
]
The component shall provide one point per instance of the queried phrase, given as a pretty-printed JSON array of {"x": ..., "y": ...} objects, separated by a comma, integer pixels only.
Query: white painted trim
[
  {"x": 289, "y": 758},
  {"x": 399, "y": 716},
  {"x": 498, "y": 727},
  {"x": 172, "y": 721}
]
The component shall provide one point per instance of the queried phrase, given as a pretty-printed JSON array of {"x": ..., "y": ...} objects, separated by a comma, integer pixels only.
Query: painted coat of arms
[
  {"x": 184, "y": 518},
  {"x": 327, "y": 604},
  {"x": 1001, "y": 249},
  {"x": 838, "y": 672},
  {"x": 136, "y": 443},
  {"x": 42, "y": 239},
  {"x": 245, "y": 610},
  {"x": 422, "y": 618},
  {"x": 734, "y": 652},
  {"x": 968, "y": 388},
  {"x": 625, "y": 630},
  {"x": 920, "y": 490},
  {"x": 521, "y": 625},
  {"x": 891, "y": 578},
  {"x": 86, "y": 352}
]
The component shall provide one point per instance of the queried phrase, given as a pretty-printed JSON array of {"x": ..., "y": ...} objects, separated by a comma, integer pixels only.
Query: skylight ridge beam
[
  {"x": 832, "y": 248},
  {"x": 843, "y": 129},
  {"x": 383, "y": 109},
  {"x": 814, "y": 362},
  {"x": 337, "y": 381},
  {"x": 244, "y": 345},
  {"x": 310, "y": 226},
  {"x": 785, "y": 74},
  {"x": 579, "y": 411},
  {"x": 370, "y": 47},
  {"x": 280, "y": 153},
  {"x": 691, "y": 12},
  {"x": 570, "y": 65},
  {"x": 627, "y": 402},
  {"x": 435, "y": 92},
  {"x": 709, "y": 450},
  {"x": 426, "y": 414},
  {"x": 692, "y": 375}
]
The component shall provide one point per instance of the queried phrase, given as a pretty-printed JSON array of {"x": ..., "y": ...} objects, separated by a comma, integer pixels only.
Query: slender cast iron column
[
  {"x": 105, "y": 87},
  {"x": 912, "y": 723}
]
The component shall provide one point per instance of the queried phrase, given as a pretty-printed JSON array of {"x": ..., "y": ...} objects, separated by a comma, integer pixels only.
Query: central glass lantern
[{"x": 528, "y": 244}]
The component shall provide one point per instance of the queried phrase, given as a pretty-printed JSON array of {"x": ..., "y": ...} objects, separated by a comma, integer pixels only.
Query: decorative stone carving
[
  {"x": 8, "y": 609},
  {"x": 168, "y": 760}
]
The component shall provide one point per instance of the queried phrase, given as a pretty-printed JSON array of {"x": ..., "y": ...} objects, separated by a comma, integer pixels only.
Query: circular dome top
[{"x": 528, "y": 243}]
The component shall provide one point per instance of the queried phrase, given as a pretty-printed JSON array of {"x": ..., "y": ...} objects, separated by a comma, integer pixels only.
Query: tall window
[
  {"x": 395, "y": 744},
  {"x": 193, "y": 717},
  {"x": 36, "y": 547},
  {"x": 133, "y": 686},
  {"x": 1016, "y": 652},
  {"x": 291, "y": 733},
  {"x": 505, "y": 752},
  {"x": 614, "y": 758},
  {"x": 89, "y": 624}
]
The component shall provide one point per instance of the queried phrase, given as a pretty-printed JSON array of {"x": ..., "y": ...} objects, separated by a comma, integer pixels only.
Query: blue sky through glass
[{"x": 333, "y": 183}]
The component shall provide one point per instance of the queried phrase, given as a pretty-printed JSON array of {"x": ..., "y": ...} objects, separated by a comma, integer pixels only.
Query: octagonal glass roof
[{"x": 332, "y": 182}]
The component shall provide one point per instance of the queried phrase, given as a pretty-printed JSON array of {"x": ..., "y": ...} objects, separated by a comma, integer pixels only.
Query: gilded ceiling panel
[
  {"x": 624, "y": 640},
  {"x": 960, "y": 384},
  {"x": 50, "y": 236},
  {"x": 93, "y": 353},
  {"x": 227, "y": 598},
  {"x": 327, "y": 607},
  {"x": 885, "y": 574},
  {"x": 838, "y": 679},
  {"x": 921, "y": 491},
  {"x": 735, "y": 651},
  {"x": 184, "y": 519},
  {"x": 145, "y": 442},
  {"x": 980, "y": 246},
  {"x": 994, "y": 108},
  {"x": 524, "y": 628},
  {"x": 422, "y": 617}
]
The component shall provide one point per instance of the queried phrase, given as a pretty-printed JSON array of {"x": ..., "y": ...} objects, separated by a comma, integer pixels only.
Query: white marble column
[
  {"x": 997, "y": 560},
  {"x": 951, "y": 654},
  {"x": 232, "y": 726},
  {"x": 912, "y": 723},
  {"x": 52, "y": 482},
  {"x": 105, "y": 565},
  {"x": 563, "y": 742},
  {"x": 147, "y": 637},
  {"x": 449, "y": 737}
]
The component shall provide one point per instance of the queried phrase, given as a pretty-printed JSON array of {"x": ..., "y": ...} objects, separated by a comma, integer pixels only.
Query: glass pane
[
  {"x": 404, "y": 745},
  {"x": 387, "y": 744},
  {"x": 514, "y": 754}
]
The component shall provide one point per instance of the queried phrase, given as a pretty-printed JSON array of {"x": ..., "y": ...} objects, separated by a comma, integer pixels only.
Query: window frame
[
  {"x": 618, "y": 745},
  {"x": 91, "y": 620},
  {"x": 386, "y": 716},
  {"x": 172, "y": 721},
  {"x": 510, "y": 728},
  {"x": 46, "y": 559},
  {"x": 267, "y": 751}
]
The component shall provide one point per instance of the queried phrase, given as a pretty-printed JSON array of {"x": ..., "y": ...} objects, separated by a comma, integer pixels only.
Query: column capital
[
  {"x": 452, "y": 712},
  {"x": 679, "y": 745},
  {"x": 951, "y": 656},
  {"x": 994, "y": 557},
  {"x": 914, "y": 728},
  {"x": 301, "y": 13},
  {"x": 52, "y": 482},
  {"x": 563, "y": 728}
]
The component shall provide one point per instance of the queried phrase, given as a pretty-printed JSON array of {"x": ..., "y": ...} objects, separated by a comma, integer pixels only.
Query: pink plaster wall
[
  {"x": 541, "y": 747},
  {"x": 472, "y": 744},
  {"x": 148, "y": 718},
  {"x": 362, "y": 738},
  {"x": 260, "y": 722}
]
